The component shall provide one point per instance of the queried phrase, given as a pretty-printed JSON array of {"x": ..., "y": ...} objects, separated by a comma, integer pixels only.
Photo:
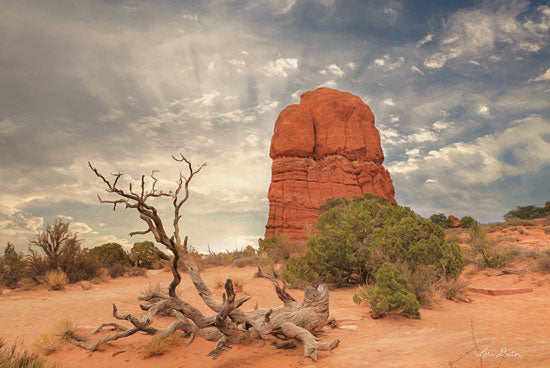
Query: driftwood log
[{"x": 295, "y": 320}]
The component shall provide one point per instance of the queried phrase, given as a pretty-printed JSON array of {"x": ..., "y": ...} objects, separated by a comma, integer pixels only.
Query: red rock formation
[
  {"x": 324, "y": 147},
  {"x": 547, "y": 204},
  {"x": 453, "y": 221}
]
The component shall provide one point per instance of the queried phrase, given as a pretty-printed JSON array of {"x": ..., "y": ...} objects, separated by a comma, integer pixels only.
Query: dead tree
[{"x": 228, "y": 324}]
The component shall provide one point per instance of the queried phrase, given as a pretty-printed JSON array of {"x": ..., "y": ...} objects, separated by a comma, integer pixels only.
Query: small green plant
[
  {"x": 482, "y": 246},
  {"x": 422, "y": 280},
  {"x": 56, "y": 280},
  {"x": 392, "y": 294}
]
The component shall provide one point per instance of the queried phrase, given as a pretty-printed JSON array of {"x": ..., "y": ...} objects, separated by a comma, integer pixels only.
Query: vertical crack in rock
[{"x": 328, "y": 143}]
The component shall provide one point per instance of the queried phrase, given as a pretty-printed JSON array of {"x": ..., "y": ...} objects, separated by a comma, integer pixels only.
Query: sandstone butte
[{"x": 324, "y": 147}]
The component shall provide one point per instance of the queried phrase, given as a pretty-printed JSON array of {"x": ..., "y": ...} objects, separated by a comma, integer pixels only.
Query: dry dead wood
[{"x": 298, "y": 320}]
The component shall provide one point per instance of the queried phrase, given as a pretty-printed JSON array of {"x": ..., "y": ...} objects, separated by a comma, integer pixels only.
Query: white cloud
[
  {"x": 192, "y": 17},
  {"x": 351, "y": 65},
  {"x": 207, "y": 98},
  {"x": 431, "y": 181},
  {"x": 426, "y": 39},
  {"x": 414, "y": 68},
  {"x": 335, "y": 70},
  {"x": 393, "y": 119},
  {"x": 280, "y": 67},
  {"x": 386, "y": 63},
  {"x": 476, "y": 33},
  {"x": 267, "y": 106},
  {"x": 543, "y": 77},
  {"x": 329, "y": 84},
  {"x": 423, "y": 135},
  {"x": 7, "y": 127},
  {"x": 442, "y": 125},
  {"x": 388, "y": 102},
  {"x": 484, "y": 110},
  {"x": 524, "y": 140}
]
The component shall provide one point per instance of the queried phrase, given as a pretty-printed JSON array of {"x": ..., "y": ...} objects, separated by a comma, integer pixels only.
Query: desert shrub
[
  {"x": 79, "y": 264},
  {"x": 356, "y": 237},
  {"x": 422, "y": 280},
  {"x": 136, "y": 271},
  {"x": 47, "y": 343},
  {"x": 116, "y": 270},
  {"x": 392, "y": 294},
  {"x": 440, "y": 219},
  {"x": 110, "y": 254},
  {"x": 467, "y": 221},
  {"x": 12, "y": 267},
  {"x": 528, "y": 212},
  {"x": 482, "y": 246},
  {"x": 56, "y": 280},
  {"x": 514, "y": 221},
  {"x": 10, "y": 358},
  {"x": 542, "y": 264},
  {"x": 277, "y": 247},
  {"x": 62, "y": 250},
  {"x": 143, "y": 254},
  {"x": 454, "y": 290},
  {"x": 246, "y": 261}
]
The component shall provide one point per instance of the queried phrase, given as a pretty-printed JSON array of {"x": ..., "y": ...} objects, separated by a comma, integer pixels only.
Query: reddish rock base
[{"x": 325, "y": 147}]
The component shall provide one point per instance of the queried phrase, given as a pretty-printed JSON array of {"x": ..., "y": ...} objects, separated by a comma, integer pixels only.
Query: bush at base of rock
[
  {"x": 356, "y": 237},
  {"x": 467, "y": 221},
  {"x": 391, "y": 294}
]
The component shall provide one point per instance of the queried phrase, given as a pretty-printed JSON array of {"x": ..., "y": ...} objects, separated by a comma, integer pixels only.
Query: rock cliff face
[{"x": 324, "y": 147}]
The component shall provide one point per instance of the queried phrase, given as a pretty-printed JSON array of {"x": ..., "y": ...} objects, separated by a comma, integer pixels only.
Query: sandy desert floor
[{"x": 518, "y": 323}]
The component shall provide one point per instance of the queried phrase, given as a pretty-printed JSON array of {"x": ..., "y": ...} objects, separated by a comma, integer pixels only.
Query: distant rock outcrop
[
  {"x": 453, "y": 222},
  {"x": 325, "y": 147},
  {"x": 547, "y": 204}
]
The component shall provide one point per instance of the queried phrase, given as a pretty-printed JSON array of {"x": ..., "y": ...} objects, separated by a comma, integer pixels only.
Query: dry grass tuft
[
  {"x": 454, "y": 290},
  {"x": 159, "y": 345},
  {"x": 238, "y": 282},
  {"x": 47, "y": 343},
  {"x": 56, "y": 280},
  {"x": 542, "y": 264},
  {"x": 103, "y": 276}
]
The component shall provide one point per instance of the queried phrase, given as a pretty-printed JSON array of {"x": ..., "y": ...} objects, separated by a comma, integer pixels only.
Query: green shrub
[
  {"x": 482, "y": 246},
  {"x": 110, "y": 254},
  {"x": 277, "y": 247},
  {"x": 422, "y": 280},
  {"x": 143, "y": 254},
  {"x": 12, "y": 267},
  {"x": 392, "y": 294},
  {"x": 440, "y": 219},
  {"x": 467, "y": 221},
  {"x": 356, "y": 237},
  {"x": 454, "y": 290},
  {"x": 528, "y": 212},
  {"x": 117, "y": 270}
]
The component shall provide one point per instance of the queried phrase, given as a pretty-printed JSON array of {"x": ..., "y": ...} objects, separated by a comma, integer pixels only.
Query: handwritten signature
[{"x": 503, "y": 353}]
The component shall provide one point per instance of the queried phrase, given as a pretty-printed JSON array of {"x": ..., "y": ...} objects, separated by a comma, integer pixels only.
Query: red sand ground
[{"x": 519, "y": 323}]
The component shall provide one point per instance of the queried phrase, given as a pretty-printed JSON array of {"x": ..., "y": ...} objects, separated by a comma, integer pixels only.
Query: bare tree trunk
[{"x": 228, "y": 324}]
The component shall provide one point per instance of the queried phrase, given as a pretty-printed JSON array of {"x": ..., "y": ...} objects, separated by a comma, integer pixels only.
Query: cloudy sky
[{"x": 460, "y": 91}]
